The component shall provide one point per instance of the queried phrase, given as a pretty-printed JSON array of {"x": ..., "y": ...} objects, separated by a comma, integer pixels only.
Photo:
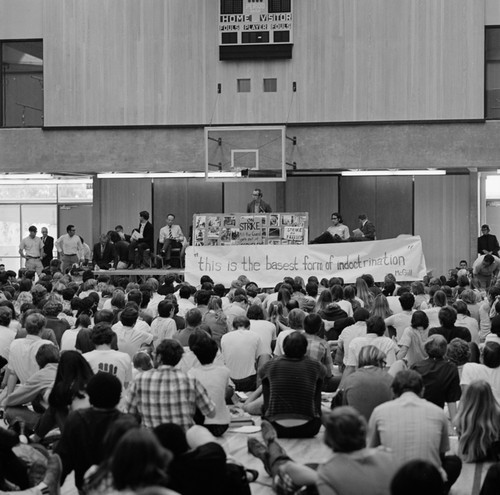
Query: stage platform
[{"x": 144, "y": 273}]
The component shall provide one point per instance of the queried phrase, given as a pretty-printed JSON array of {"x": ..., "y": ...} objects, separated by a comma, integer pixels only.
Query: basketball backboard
[{"x": 250, "y": 153}]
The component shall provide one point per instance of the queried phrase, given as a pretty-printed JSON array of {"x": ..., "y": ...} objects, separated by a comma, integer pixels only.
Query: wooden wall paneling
[
  {"x": 394, "y": 206},
  {"x": 184, "y": 198},
  {"x": 140, "y": 62},
  {"x": 442, "y": 220},
  {"x": 121, "y": 201},
  {"x": 237, "y": 195},
  {"x": 316, "y": 195},
  {"x": 358, "y": 195}
]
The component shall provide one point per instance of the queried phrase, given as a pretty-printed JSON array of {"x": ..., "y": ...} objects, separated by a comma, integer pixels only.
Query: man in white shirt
[
  {"x": 401, "y": 321},
  {"x": 375, "y": 328},
  {"x": 31, "y": 248},
  {"x": 70, "y": 248},
  {"x": 243, "y": 353},
  {"x": 171, "y": 236},
  {"x": 22, "y": 352},
  {"x": 351, "y": 332},
  {"x": 103, "y": 358},
  {"x": 130, "y": 338}
]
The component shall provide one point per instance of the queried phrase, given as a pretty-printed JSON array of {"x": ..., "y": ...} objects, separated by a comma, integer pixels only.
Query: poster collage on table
[{"x": 246, "y": 229}]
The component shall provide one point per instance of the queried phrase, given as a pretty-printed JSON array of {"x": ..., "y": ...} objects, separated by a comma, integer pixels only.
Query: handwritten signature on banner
[{"x": 268, "y": 264}]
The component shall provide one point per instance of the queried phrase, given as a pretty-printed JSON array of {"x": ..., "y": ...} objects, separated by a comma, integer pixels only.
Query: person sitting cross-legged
[{"x": 351, "y": 470}]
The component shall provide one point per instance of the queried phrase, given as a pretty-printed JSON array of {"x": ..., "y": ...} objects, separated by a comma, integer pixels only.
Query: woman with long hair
[
  {"x": 139, "y": 461},
  {"x": 350, "y": 296},
  {"x": 412, "y": 342},
  {"x": 68, "y": 392},
  {"x": 325, "y": 298},
  {"x": 478, "y": 424},
  {"x": 381, "y": 307},
  {"x": 216, "y": 319},
  {"x": 421, "y": 300},
  {"x": 438, "y": 301},
  {"x": 364, "y": 293}
]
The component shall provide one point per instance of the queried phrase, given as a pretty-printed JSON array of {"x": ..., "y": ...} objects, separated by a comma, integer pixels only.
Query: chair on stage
[{"x": 176, "y": 255}]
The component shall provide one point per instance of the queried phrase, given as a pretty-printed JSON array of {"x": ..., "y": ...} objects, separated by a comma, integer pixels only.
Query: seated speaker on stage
[
  {"x": 366, "y": 231},
  {"x": 171, "y": 236},
  {"x": 337, "y": 232}
]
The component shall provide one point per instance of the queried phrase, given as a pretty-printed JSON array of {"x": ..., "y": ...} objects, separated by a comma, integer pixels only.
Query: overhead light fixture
[
  {"x": 165, "y": 175},
  {"x": 25, "y": 176},
  {"x": 39, "y": 179},
  {"x": 381, "y": 173}
]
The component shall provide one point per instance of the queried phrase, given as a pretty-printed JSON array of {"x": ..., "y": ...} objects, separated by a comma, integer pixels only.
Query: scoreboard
[{"x": 255, "y": 29}]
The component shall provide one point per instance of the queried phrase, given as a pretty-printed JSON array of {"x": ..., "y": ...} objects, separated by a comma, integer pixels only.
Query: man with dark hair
[
  {"x": 35, "y": 390},
  {"x": 106, "y": 359},
  {"x": 215, "y": 378},
  {"x": 51, "y": 311},
  {"x": 352, "y": 469},
  {"x": 349, "y": 333},
  {"x": 70, "y": 248},
  {"x": 375, "y": 329},
  {"x": 22, "y": 352},
  {"x": 171, "y": 236},
  {"x": 413, "y": 428},
  {"x": 180, "y": 394},
  {"x": 447, "y": 318},
  {"x": 440, "y": 377},
  {"x": 31, "y": 248},
  {"x": 130, "y": 338},
  {"x": 485, "y": 270},
  {"x": 318, "y": 349},
  {"x": 48, "y": 247},
  {"x": 487, "y": 243},
  {"x": 184, "y": 300},
  {"x": 201, "y": 298},
  {"x": 243, "y": 353},
  {"x": 193, "y": 321},
  {"x": 141, "y": 242},
  {"x": 366, "y": 231},
  {"x": 104, "y": 253},
  {"x": 398, "y": 322},
  {"x": 81, "y": 444},
  {"x": 291, "y": 387},
  {"x": 258, "y": 205},
  {"x": 7, "y": 334}
]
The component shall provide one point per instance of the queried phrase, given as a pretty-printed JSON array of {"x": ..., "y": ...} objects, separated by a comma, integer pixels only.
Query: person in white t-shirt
[
  {"x": 130, "y": 336},
  {"x": 68, "y": 339},
  {"x": 263, "y": 328},
  {"x": 488, "y": 371},
  {"x": 103, "y": 358},
  {"x": 215, "y": 378},
  {"x": 164, "y": 326},
  {"x": 244, "y": 353}
]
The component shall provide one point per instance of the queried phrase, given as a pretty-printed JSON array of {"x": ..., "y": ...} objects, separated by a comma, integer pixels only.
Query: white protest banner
[{"x": 268, "y": 264}]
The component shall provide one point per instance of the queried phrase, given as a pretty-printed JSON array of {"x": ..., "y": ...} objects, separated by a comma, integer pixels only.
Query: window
[
  {"x": 21, "y": 84},
  {"x": 280, "y": 5},
  {"x": 270, "y": 85},
  {"x": 231, "y": 6},
  {"x": 243, "y": 85},
  {"x": 492, "y": 110}
]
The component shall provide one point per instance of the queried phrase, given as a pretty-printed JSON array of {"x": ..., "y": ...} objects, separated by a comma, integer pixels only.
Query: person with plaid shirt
[{"x": 166, "y": 394}]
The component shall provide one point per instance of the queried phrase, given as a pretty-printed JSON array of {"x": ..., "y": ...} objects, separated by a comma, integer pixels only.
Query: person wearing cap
[
  {"x": 487, "y": 243},
  {"x": 31, "y": 248},
  {"x": 81, "y": 441}
]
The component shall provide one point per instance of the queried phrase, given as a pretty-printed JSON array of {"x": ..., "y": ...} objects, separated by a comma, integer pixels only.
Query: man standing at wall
[
  {"x": 258, "y": 205},
  {"x": 31, "y": 248},
  {"x": 48, "y": 247},
  {"x": 487, "y": 243},
  {"x": 70, "y": 248}
]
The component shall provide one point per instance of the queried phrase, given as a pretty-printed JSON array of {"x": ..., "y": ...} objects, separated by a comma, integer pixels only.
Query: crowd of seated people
[{"x": 130, "y": 385}]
